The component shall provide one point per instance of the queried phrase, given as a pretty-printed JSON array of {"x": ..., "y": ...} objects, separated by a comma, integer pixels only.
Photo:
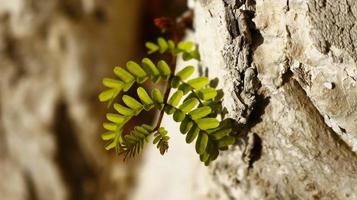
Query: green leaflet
[
  {"x": 132, "y": 103},
  {"x": 137, "y": 71},
  {"x": 123, "y": 110},
  {"x": 198, "y": 83},
  {"x": 200, "y": 112},
  {"x": 164, "y": 69},
  {"x": 185, "y": 72},
  {"x": 186, "y": 125},
  {"x": 107, "y": 95},
  {"x": 148, "y": 127},
  {"x": 219, "y": 134},
  {"x": 123, "y": 74},
  {"x": 118, "y": 119},
  {"x": 111, "y": 145},
  {"x": 151, "y": 69},
  {"x": 161, "y": 139},
  {"x": 185, "y": 46},
  {"x": 201, "y": 143},
  {"x": 192, "y": 134},
  {"x": 113, "y": 83},
  {"x": 152, "y": 47},
  {"x": 144, "y": 97},
  {"x": 207, "y": 123},
  {"x": 207, "y": 93},
  {"x": 157, "y": 98},
  {"x": 108, "y": 135},
  {"x": 178, "y": 116},
  {"x": 175, "y": 82},
  {"x": 171, "y": 45},
  {"x": 156, "y": 95},
  {"x": 226, "y": 141},
  {"x": 188, "y": 105},
  {"x": 162, "y": 44},
  {"x": 185, "y": 88},
  {"x": 110, "y": 126},
  {"x": 175, "y": 98}
]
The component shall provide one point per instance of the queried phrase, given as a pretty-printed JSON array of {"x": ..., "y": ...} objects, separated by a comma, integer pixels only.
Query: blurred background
[{"x": 53, "y": 55}]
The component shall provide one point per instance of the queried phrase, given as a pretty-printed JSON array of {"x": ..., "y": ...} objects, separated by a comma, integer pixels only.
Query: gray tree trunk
[
  {"x": 288, "y": 69},
  {"x": 53, "y": 55}
]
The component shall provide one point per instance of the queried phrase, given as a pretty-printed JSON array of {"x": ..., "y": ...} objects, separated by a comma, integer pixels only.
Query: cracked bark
[{"x": 302, "y": 144}]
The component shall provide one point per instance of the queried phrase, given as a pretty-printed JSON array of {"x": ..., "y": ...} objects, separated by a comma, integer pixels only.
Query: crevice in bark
[
  {"x": 31, "y": 190},
  {"x": 79, "y": 175},
  {"x": 336, "y": 137}
]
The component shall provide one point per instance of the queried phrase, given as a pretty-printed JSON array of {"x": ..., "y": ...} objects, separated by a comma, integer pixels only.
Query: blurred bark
[{"x": 53, "y": 54}]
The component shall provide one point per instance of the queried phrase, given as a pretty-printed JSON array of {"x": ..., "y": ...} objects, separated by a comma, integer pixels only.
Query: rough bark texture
[
  {"x": 299, "y": 136},
  {"x": 53, "y": 54},
  {"x": 288, "y": 69}
]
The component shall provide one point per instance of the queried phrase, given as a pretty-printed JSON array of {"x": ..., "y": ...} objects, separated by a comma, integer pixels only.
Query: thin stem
[{"x": 167, "y": 92}]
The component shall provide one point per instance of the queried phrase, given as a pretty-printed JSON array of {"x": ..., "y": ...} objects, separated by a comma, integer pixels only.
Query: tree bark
[{"x": 298, "y": 131}]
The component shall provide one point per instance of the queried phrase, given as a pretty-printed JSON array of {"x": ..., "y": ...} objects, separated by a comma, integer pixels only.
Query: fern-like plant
[{"x": 195, "y": 104}]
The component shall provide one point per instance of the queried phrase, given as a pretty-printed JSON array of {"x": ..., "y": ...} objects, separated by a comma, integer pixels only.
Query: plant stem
[{"x": 167, "y": 92}]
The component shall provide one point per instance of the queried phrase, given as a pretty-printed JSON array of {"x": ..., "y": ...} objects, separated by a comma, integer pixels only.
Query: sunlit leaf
[
  {"x": 201, "y": 143},
  {"x": 175, "y": 98},
  {"x": 178, "y": 116},
  {"x": 152, "y": 47},
  {"x": 207, "y": 123},
  {"x": 186, "y": 125},
  {"x": 118, "y": 119},
  {"x": 113, "y": 83},
  {"x": 132, "y": 103},
  {"x": 107, "y": 95},
  {"x": 201, "y": 112},
  {"x": 188, "y": 105},
  {"x": 137, "y": 71},
  {"x": 198, "y": 83},
  {"x": 185, "y": 72},
  {"x": 151, "y": 69},
  {"x": 123, "y": 110},
  {"x": 164, "y": 69},
  {"x": 108, "y": 135},
  {"x": 207, "y": 93},
  {"x": 192, "y": 134},
  {"x": 144, "y": 96},
  {"x": 162, "y": 44},
  {"x": 226, "y": 141}
]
